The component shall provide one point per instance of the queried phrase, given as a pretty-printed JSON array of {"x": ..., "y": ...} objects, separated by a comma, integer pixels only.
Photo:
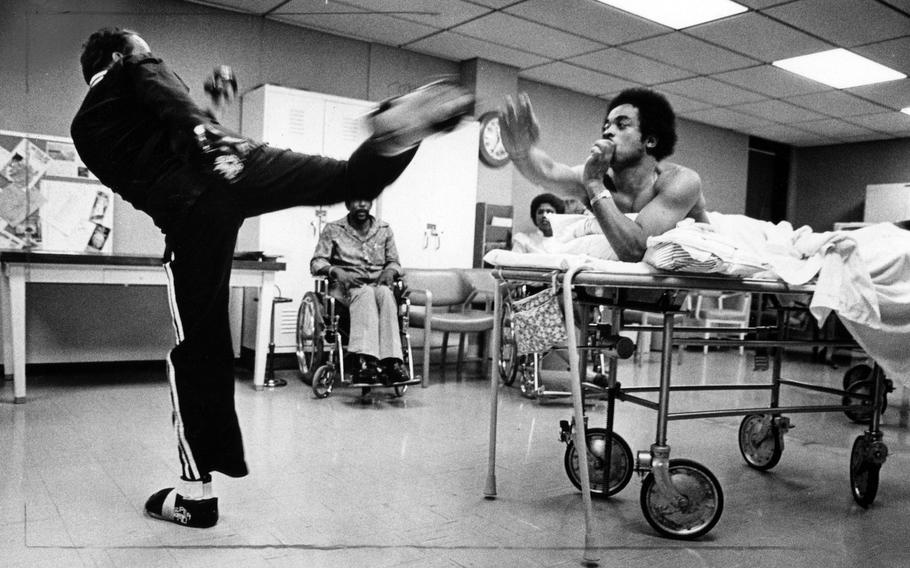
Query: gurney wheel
[
  {"x": 856, "y": 373},
  {"x": 508, "y": 359},
  {"x": 863, "y": 387},
  {"x": 399, "y": 391},
  {"x": 323, "y": 381},
  {"x": 863, "y": 472},
  {"x": 704, "y": 501},
  {"x": 761, "y": 451},
  {"x": 620, "y": 464},
  {"x": 309, "y": 336}
]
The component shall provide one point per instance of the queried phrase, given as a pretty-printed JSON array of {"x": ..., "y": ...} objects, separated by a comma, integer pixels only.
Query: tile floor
[{"x": 387, "y": 482}]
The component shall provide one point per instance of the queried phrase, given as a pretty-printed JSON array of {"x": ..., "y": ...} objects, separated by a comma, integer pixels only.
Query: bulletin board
[{"x": 48, "y": 198}]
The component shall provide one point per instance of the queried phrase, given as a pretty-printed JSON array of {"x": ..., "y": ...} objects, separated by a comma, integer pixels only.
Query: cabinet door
[
  {"x": 310, "y": 123},
  {"x": 431, "y": 206}
]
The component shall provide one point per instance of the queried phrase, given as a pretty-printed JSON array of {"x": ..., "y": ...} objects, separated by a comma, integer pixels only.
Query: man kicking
[
  {"x": 624, "y": 172},
  {"x": 142, "y": 135}
]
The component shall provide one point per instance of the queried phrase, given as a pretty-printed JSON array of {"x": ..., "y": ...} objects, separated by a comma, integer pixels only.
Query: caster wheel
[
  {"x": 702, "y": 506},
  {"x": 856, "y": 373},
  {"x": 760, "y": 441},
  {"x": 399, "y": 391},
  {"x": 862, "y": 387},
  {"x": 323, "y": 381},
  {"x": 621, "y": 463},
  {"x": 864, "y": 470},
  {"x": 508, "y": 358}
]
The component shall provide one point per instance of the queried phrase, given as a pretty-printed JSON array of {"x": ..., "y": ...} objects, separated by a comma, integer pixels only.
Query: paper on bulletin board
[
  {"x": 48, "y": 198},
  {"x": 76, "y": 216}
]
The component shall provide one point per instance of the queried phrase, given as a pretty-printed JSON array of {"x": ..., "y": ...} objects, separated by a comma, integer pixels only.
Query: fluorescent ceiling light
[
  {"x": 679, "y": 14},
  {"x": 905, "y": 110},
  {"x": 839, "y": 68}
]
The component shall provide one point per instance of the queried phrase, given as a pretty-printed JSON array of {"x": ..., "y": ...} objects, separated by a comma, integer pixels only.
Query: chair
[
  {"x": 441, "y": 301},
  {"x": 724, "y": 309}
]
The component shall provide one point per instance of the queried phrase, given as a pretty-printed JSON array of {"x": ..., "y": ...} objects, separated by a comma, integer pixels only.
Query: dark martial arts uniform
[{"x": 134, "y": 131}]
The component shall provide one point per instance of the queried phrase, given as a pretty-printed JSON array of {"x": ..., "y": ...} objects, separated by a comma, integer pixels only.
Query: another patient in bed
[
  {"x": 543, "y": 207},
  {"x": 623, "y": 173}
]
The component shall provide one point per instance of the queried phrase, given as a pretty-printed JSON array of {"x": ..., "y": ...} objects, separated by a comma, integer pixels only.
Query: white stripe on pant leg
[
  {"x": 172, "y": 301},
  {"x": 188, "y": 463}
]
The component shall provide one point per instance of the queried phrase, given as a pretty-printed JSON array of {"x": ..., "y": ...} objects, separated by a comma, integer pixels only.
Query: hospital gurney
[{"x": 680, "y": 498}]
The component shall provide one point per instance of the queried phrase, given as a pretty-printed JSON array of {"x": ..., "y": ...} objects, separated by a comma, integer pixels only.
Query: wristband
[{"x": 604, "y": 194}]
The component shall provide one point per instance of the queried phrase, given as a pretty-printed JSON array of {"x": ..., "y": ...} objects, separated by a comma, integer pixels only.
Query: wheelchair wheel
[
  {"x": 620, "y": 463},
  {"x": 310, "y": 336},
  {"x": 700, "y": 510},
  {"x": 760, "y": 447},
  {"x": 508, "y": 359},
  {"x": 323, "y": 381},
  {"x": 856, "y": 373},
  {"x": 865, "y": 388}
]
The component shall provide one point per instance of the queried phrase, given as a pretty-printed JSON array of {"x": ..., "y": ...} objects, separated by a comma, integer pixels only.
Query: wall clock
[{"x": 492, "y": 152}]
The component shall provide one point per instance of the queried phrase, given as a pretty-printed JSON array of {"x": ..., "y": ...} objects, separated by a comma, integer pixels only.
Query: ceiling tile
[
  {"x": 450, "y": 45},
  {"x": 690, "y": 53},
  {"x": 711, "y": 91},
  {"x": 758, "y": 4},
  {"x": 836, "y": 20},
  {"x": 682, "y": 104},
  {"x": 429, "y": 12},
  {"x": 528, "y": 36},
  {"x": 369, "y": 27},
  {"x": 835, "y": 103},
  {"x": 582, "y": 80},
  {"x": 778, "y": 111},
  {"x": 893, "y": 53},
  {"x": 834, "y": 127},
  {"x": 890, "y": 122},
  {"x": 494, "y": 3},
  {"x": 630, "y": 66},
  {"x": 771, "y": 81},
  {"x": 903, "y": 5},
  {"x": 893, "y": 94},
  {"x": 790, "y": 135},
  {"x": 592, "y": 20},
  {"x": 866, "y": 138},
  {"x": 247, "y": 6},
  {"x": 725, "y": 118},
  {"x": 760, "y": 37}
]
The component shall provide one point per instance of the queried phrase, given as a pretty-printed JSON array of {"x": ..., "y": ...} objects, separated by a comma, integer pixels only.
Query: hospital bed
[{"x": 680, "y": 498}]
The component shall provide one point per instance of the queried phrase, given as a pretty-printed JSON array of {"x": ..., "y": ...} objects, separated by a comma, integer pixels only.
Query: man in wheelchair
[{"x": 358, "y": 255}]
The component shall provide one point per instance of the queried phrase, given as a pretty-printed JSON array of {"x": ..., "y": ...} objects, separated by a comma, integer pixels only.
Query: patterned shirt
[{"x": 341, "y": 245}]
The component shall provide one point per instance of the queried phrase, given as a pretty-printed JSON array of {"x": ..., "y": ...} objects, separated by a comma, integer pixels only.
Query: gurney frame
[{"x": 680, "y": 498}]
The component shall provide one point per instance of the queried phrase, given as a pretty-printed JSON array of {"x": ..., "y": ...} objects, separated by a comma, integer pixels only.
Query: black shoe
[
  {"x": 394, "y": 371},
  {"x": 362, "y": 368},
  {"x": 168, "y": 505}
]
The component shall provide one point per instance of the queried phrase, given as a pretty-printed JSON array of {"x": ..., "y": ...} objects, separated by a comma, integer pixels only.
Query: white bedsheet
[
  {"x": 862, "y": 275},
  {"x": 870, "y": 292},
  {"x": 501, "y": 257}
]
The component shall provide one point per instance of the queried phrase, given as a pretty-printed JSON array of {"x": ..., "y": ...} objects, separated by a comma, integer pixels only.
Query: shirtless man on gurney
[{"x": 623, "y": 173}]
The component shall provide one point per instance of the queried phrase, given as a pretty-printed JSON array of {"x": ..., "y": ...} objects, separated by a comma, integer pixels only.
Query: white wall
[{"x": 41, "y": 88}]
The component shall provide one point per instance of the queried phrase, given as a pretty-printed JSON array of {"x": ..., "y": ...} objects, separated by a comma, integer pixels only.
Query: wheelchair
[
  {"x": 528, "y": 367},
  {"x": 323, "y": 327}
]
